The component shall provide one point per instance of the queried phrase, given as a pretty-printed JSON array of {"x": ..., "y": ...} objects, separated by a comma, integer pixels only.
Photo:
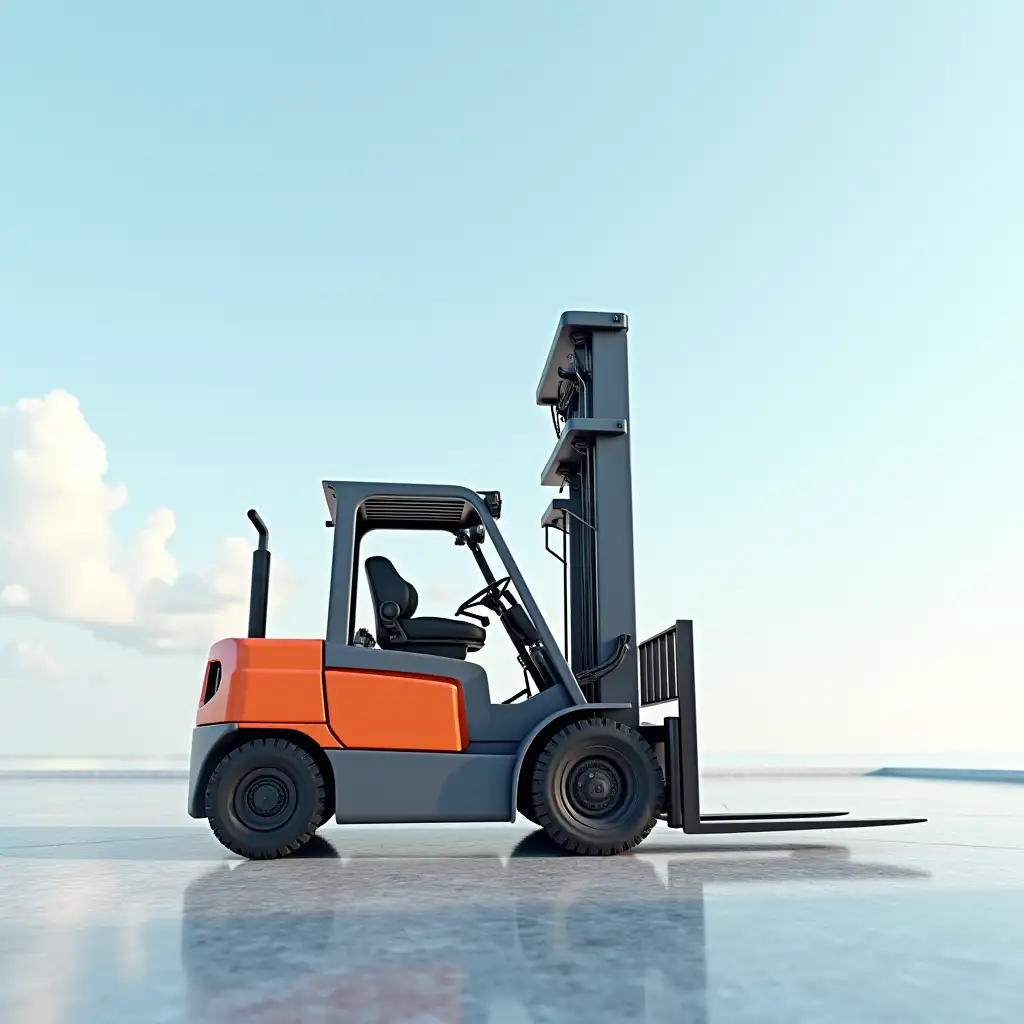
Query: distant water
[
  {"x": 104, "y": 767},
  {"x": 170, "y": 766},
  {"x": 986, "y": 760}
]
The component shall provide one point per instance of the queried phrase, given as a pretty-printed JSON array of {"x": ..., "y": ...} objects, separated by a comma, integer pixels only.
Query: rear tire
[
  {"x": 265, "y": 799},
  {"x": 597, "y": 788}
]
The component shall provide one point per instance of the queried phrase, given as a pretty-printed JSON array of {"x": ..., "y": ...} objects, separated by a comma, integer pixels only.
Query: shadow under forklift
[{"x": 398, "y": 726}]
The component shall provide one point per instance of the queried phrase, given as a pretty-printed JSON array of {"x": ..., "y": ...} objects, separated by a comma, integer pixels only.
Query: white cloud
[
  {"x": 28, "y": 660},
  {"x": 14, "y": 595},
  {"x": 61, "y": 560}
]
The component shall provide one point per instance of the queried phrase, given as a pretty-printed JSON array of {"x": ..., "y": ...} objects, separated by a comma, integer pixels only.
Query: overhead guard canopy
[{"x": 412, "y": 508}]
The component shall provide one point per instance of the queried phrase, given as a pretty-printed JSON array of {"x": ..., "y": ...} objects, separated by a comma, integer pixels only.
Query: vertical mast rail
[{"x": 586, "y": 384}]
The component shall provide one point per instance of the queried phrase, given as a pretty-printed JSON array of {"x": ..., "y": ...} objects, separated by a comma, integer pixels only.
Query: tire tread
[
  {"x": 303, "y": 761},
  {"x": 575, "y": 731}
]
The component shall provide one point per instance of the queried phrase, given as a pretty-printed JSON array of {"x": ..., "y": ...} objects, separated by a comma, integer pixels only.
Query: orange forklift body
[{"x": 281, "y": 685}]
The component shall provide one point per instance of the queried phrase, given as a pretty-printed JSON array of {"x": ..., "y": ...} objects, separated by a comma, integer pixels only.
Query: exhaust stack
[{"x": 259, "y": 591}]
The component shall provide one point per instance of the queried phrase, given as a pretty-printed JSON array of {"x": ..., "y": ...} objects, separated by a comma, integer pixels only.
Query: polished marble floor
[{"x": 116, "y": 908}]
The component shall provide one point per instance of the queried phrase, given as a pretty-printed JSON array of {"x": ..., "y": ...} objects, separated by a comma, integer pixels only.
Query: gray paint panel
[
  {"x": 385, "y": 787},
  {"x": 516, "y": 721},
  {"x": 376, "y": 659},
  {"x": 341, "y": 598},
  {"x": 499, "y": 747},
  {"x": 204, "y": 739}
]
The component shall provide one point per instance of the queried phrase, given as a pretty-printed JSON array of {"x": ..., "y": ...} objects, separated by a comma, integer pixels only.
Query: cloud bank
[
  {"x": 61, "y": 560},
  {"x": 28, "y": 661}
]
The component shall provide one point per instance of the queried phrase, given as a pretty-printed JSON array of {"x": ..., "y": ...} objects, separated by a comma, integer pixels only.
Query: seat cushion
[{"x": 425, "y": 629}]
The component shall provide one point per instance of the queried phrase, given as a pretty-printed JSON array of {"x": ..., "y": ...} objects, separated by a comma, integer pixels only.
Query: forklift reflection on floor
[
  {"x": 381, "y": 938},
  {"x": 398, "y": 726}
]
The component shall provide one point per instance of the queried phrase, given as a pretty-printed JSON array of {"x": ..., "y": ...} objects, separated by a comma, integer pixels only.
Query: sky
[{"x": 245, "y": 248}]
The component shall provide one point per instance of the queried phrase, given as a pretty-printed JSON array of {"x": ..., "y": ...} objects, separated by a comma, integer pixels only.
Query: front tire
[
  {"x": 597, "y": 788},
  {"x": 265, "y": 799}
]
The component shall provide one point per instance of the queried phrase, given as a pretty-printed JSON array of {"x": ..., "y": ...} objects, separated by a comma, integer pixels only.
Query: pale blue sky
[{"x": 266, "y": 245}]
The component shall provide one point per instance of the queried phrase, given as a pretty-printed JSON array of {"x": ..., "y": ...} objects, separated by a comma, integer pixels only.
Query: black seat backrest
[{"x": 387, "y": 586}]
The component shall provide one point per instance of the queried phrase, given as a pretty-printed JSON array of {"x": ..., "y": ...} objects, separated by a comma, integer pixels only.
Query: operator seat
[{"x": 394, "y": 605}]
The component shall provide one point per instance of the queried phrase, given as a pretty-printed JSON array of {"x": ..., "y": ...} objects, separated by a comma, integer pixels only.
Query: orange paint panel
[
  {"x": 379, "y": 711},
  {"x": 267, "y": 681},
  {"x": 280, "y": 654}
]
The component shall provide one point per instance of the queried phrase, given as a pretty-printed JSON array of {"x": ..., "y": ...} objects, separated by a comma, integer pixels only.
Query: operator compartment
[{"x": 265, "y": 682}]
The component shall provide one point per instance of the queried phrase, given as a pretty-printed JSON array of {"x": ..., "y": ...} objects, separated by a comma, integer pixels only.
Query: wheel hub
[
  {"x": 595, "y": 786},
  {"x": 265, "y": 799}
]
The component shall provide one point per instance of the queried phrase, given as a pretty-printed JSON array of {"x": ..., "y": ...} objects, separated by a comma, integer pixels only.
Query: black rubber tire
[
  {"x": 267, "y": 771},
  {"x": 626, "y": 789}
]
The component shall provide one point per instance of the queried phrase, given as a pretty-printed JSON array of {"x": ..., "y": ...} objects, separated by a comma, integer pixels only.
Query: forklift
[{"x": 398, "y": 725}]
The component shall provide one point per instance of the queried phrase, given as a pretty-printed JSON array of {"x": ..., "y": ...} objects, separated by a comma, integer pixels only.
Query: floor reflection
[{"x": 528, "y": 937}]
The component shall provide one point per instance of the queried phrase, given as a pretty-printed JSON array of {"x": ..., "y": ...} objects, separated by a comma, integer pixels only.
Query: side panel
[
  {"x": 381, "y": 711},
  {"x": 387, "y": 787},
  {"x": 205, "y": 740},
  {"x": 267, "y": 681},
  {"x": 516, "y": 721}
]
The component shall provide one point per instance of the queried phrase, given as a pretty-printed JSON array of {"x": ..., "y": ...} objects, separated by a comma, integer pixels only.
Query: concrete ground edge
[{"x": 949, "y": 774}]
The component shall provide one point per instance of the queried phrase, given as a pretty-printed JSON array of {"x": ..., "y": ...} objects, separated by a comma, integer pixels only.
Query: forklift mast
[{"x": 585, "y": 384}]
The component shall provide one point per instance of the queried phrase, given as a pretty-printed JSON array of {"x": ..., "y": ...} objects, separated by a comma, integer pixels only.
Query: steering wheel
[{"x": 495, "y": 590}]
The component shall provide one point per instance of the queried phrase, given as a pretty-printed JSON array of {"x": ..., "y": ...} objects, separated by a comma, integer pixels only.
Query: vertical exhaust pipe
[{"x": 259, "y": 590}]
